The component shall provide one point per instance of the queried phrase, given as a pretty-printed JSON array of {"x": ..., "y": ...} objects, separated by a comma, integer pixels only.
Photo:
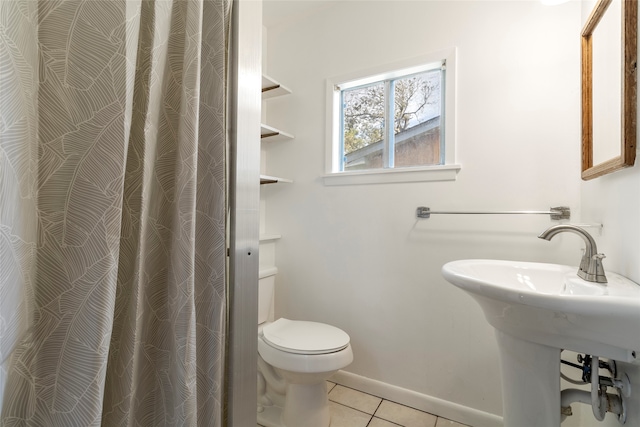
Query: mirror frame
[{"x": 629, "y": 36}]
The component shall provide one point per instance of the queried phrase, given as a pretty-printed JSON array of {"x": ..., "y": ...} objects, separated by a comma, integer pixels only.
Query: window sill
[{"x": 388, "y": 176}]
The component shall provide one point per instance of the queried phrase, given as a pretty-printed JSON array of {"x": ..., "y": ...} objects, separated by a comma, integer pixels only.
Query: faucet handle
[{"x": 598, "y": 257}]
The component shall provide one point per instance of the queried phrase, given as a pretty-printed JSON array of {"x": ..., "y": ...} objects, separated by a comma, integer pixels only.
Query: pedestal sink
[{"x": 538, "y": 309}]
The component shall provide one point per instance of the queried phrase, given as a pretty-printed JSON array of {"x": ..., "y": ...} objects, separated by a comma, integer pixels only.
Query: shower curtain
[{"x": 112, "y": 212}]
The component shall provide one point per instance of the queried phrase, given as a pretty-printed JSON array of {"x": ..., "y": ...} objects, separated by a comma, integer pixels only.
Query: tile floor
[{"x": 352, "y": 408}]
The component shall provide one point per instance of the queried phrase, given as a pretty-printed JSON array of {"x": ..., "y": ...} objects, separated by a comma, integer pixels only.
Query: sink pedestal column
[{"x": 530, "y": 382}]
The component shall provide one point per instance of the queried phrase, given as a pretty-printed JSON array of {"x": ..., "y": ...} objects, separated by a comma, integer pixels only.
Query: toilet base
[
  {"x": 306, "y": 405},
  {"x": 271, "y": 416},
  {"x": 297, "y": 396}
]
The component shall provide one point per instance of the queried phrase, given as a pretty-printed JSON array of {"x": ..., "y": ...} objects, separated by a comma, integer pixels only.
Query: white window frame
[{"x": 335, "y": 85}]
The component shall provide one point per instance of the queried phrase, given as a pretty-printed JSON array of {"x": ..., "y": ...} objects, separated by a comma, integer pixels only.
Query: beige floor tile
[
  {"x": 355, "y": 399},
  {"x": 330, "y": 386},
  {"x": 404, "y": 415},
  {"x": 443, "y": 422},
  {"x": 379, "y": 422},
  {"x": 343, "y": 416}
]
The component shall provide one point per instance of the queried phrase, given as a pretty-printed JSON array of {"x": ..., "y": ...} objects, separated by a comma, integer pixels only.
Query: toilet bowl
[{"x": 295, "y": 358}]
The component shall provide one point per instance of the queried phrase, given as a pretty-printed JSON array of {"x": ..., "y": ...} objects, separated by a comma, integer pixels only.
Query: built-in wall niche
[{"x": 268, "y": 134}]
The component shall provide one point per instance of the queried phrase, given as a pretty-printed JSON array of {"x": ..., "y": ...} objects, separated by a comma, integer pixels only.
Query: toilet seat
[{"x": 303, "y": 337}]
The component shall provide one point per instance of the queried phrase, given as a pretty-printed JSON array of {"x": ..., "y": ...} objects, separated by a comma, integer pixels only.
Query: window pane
[
  {"x": 363, "y": 131},
  {"x": 417, "y": 117}
]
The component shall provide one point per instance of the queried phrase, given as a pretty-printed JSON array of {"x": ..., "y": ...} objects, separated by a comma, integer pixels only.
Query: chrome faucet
[{"x": 591, "y": 268}]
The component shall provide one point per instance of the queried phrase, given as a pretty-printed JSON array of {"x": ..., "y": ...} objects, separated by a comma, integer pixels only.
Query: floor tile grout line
[
  {"x": 406, "y": 406},
  {"x": 372, "y": 416},
  {"x": 360, "y": 410},
  {"x": 390, "y": 422},
  {"x": 351, "y": 407},
  {"x": 382, "y": 399},
  {"x": 378, "y": 407}
]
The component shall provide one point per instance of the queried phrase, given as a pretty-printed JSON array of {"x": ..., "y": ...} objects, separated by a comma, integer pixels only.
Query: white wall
[
  {"x": 614, "y": 201},
  {"x": 355, "y": 256}
]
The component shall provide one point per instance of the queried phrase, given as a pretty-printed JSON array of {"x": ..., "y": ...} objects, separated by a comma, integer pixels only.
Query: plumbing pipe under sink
[
  {"x": 612, "y": 403},
  {"x": 601, "y": 402},
  {"x": 597, "y": 397}
]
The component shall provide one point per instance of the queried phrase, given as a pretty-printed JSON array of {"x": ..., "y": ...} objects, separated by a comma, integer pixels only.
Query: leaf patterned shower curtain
[{"x": 112, "y": 212}]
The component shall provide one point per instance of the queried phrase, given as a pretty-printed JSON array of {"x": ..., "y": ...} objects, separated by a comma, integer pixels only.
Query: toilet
[{"x": 295, "y": 358}]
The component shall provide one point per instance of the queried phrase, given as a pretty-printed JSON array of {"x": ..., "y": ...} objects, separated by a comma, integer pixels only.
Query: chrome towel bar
[{"x": 557, "y": 213}]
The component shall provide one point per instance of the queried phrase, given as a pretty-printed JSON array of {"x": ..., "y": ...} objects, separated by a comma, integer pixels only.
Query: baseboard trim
[{"x": 423, "y": 402}]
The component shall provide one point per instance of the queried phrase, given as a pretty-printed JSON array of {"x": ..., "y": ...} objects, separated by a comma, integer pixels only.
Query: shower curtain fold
[{"x": 112, "y": 212}]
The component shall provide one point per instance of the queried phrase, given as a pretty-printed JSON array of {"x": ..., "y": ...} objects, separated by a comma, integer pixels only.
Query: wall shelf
[
  {"x": 264, "y": 238},
  {"x": 272, "y": 89},
  {"x": 271, "y": 134},
  {"x": 267, "y": 179}
]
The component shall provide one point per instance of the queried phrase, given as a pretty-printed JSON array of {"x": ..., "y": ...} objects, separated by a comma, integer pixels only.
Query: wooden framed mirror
[{"x": 609, "y": 62}]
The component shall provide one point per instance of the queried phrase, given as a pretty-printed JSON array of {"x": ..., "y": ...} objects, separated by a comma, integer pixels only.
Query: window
[
  {"x": 397, "y": 118},
  {"x": 411, "y": 105}
]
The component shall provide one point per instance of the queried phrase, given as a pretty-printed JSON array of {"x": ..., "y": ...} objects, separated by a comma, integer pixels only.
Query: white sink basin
[
  {"x": 549, "y": 304},
  {"x": 537, "y": 310}
]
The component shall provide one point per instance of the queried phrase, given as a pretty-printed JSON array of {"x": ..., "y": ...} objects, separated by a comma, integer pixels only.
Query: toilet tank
[{"x": 266, "y": 288}]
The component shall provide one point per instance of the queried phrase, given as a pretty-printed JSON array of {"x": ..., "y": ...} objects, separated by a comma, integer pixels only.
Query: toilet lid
[{"x": 296, "y": 336}]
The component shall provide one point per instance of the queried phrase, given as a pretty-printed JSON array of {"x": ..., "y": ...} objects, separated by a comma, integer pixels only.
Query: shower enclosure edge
[{"x": 245, "y": 76}]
